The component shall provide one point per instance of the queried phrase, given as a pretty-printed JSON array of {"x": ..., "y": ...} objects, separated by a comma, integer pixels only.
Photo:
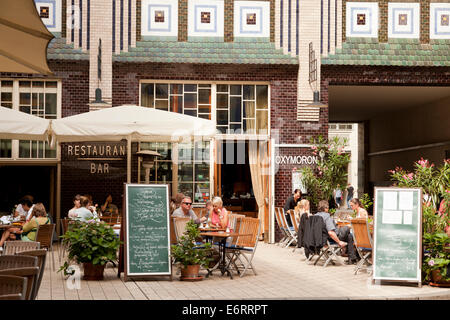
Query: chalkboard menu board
[
  {"x": 147, "y": 231},
  {"x": 398, "y": 234}
]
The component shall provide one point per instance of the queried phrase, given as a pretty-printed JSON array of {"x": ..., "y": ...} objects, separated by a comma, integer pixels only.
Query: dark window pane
[
  {"x": 6, "y": 96},
  {"x": 236, "y": 128},
  {"x": 34, "y": 99},
  {"x": 249, "y": 126},
  {"x": 204, "y": 96},
  {"x": 222, "y": 88},
  {"x": 222, "y": 101},
  {"x": 222, "y": 117},
  {"x": 190, "y": 100},
  {"x": 186, "y": 189},
  {"x": 5, "y": 148},
  {"x": 222, "y": 129},
  {"x": 235, "y": 109},
  {"x": 7, "y": 105},
  {"x": 25, "y": 98},
  {"x": 176, "y": 89},
  {"x": 161, "y": 104},
  {"x": 204, "y": 85},
  {"x": 25, "y": 84},
  {"x": 249, "y": 92},
  {"x": 26, "y": 109},
  {"x": 235, "y": 89},
  {"x": 162, "y": 91},
  {"x": 164, "y": 170},
  {"x": 249, "y": 109},
  {"x": 147, "y": 94},
  {"x": 204, "y": 109},
  {"x": 7, "y": 83},
  {"x": 38, "y": 84},
  {"x": 262, "y": 97},
  {"x": 50, "y": 84},
  {"x": 176, "y": 104},
  {"x": 202, "y": 172},
  {"x": 24, "y": 149},
  {"x": 185, "y": 172},
  {"x": 190, "y": 112},
  {"x": 190, "y": 87},
  {"x": 205, "y": 116}
]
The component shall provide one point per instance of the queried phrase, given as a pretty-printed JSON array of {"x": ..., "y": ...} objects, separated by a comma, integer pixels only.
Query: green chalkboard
[
  {"x": 147, "y": 230},
  {"x": 398, "y": 234}
]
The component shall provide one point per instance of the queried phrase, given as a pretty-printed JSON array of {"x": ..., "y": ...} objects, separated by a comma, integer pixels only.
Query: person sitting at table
[
  {"x": 83, "y": 213},
  {"x": 76, "y": 205},
  {"x": 108, "y": 208},
  {"x": 302, "y": 208},
  {"x": 39, "y": 217},
  {"x": 357, "y": 206},
  {"x": 291, "y": 203},
  {"x": 218, "y": 214},
  {"x": 185, "y": 211},
  {"x": 92, "y": 207},
  {"x": 340, "y": 235},
  {"x": 23, "y": 209}
]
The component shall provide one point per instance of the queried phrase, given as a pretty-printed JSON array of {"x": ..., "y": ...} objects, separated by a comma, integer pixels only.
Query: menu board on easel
[
  {"x": 147, "y": 231},
  {"x": 397, "y": 248}
]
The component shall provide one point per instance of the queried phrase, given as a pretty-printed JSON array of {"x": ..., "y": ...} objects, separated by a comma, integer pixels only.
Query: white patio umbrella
[
  {"x": 23, "y": 38},
  {"x": 133, "y": 123},
  {"x": 20, "y": 125}
]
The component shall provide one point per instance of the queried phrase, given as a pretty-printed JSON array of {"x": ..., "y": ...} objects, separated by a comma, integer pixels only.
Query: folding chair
[
  {"x": 279, "y": 215},
  {"x": 12, "y": 247},
  {"x": 294, "y": 232},
  {"x": 13, "y": 285},
  {"x": 44, "y": 236},
  {"x": 245, "y": 246},
  {"x": 329, "y": 253},
  {"x": 289, "y": 230},
  {"x": 363, "y": 242},
  {"x": 31, "y": 273},
  {"x": 41, "y": 255},
  {"x": 14, "y": 261}
]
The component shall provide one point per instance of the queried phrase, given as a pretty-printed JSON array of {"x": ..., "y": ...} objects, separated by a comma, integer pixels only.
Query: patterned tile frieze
[
  {"x": 440, "y": 20},
  {"x": 252, "y": 19},
  {"x": 50, "y": 12},
  {"x": 159, "y": 18},
  {"x": 362, "y": 19},
  {"x": 205, "y": 18},
  {"x": 404, "y": 20}
]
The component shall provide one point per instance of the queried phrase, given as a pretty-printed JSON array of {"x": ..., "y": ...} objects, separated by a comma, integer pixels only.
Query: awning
[
  {"x": 20, "y": 125},
  {"x": 23, "y": 38}
]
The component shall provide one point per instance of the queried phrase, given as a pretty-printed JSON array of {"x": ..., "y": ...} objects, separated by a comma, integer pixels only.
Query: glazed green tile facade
[
  {"x": 58, "y": 49},
  {"x": 241, "y": 51},
  {"x": 395, "y": 52}
]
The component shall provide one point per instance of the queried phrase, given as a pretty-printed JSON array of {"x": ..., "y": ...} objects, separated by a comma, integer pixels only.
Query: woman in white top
[
  {"x": 76, "y": 205},
  {"x": 83, "y": 213},
  {"x": 357, "y": 206}
]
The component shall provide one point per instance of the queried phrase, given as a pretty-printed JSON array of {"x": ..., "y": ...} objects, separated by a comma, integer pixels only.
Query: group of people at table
[
  {"x": 27, "y": 216},
  {"x": 340, "y": 234}
]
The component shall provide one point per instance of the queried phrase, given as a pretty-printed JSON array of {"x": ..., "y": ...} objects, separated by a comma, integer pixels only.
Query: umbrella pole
[{"x": 129, "y": 159}]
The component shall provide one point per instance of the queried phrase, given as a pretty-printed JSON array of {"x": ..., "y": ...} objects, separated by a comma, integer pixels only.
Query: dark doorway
[{"x": 17, "y": 181}]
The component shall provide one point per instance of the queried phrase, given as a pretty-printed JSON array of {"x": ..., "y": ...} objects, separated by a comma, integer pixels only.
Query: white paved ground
[{"x": 282, "y": 274}]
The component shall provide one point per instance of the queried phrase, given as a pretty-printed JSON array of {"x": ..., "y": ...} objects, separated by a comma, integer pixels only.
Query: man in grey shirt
[
  {"x": 185, "y": 211},
  {"x": 341, "y": 236}
]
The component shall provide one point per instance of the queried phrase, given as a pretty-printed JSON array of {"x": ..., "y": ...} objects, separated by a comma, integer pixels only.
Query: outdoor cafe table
[{"x": 223, "y": 240}]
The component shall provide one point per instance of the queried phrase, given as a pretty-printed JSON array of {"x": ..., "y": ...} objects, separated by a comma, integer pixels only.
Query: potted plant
[
  {"x": 436, "y": 264},
  {"x": 91, "y": 243},
  {"x": 189, "y": 255}
]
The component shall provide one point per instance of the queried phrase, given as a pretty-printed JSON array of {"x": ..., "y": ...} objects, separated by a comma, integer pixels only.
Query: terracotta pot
[
  {"x": 190, "y": 273},
  {"x": 437, "y": 281},
  {"x": 93, "y": 271}
]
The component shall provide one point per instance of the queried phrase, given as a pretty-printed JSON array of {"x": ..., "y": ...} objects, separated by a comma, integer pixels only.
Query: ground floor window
[
  {"x": 236, "y": 108},
  {"x": 36, "y": 97},
  {"x": 185, "y": 167}
]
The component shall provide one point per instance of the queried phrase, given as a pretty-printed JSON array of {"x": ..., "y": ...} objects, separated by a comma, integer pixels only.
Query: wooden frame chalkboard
[
  {"x": 146, "y": 229},
  {"x": 397, "y": 252}
]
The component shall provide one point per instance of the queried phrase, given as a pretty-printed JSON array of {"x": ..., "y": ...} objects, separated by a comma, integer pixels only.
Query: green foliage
[
  {"x": 436, "y": 254},
  {"x": 331, "y": 170},
  {"x": 92, "y": 241},
  {"x": 366, "y": 201},
  {"x": 186, "y": 252}
]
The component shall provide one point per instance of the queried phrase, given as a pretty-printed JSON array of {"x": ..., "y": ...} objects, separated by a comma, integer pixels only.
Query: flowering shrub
[
  {"x": 331, "y": 169},
  {"x": 91, "y": 241}
]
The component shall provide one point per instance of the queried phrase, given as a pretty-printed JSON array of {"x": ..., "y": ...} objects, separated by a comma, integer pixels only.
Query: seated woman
[
  {"x": 39, "y": 217},
  {"x": 357, "y": 206},
  {"x": 301, "y": 208},
  {"x": 83, "y": 213},
  {"x": 76, "y": 205},
  {"x": 108, "y": 208},
  {"x": 218, "y": 214}
]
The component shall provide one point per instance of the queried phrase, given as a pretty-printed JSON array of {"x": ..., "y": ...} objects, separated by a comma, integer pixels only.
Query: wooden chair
[
  {"x": 180, "y": 226},
  {"x": 363, "y": 242},
  {"x": 278, "y": 216},
  {"x": 41, "y": 255},
  {"x": 245, "y": 246},
  {"x": 31, "y": 273},
  {"x": 13, "y": 285},
  {"x": 294, "y": 233},
  {"x": 14, "y": 261},
  {"x": 12, "y": 247},
  {"x": 288, "y": 230},
  {"x": 44, "y": 236}
]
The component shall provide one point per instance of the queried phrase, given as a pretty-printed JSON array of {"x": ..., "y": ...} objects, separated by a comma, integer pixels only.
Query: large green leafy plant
[
  {"x": 93, "y": 242},
  {"x": 331, "y": 170},
  {"x": 186, "y": 252}
]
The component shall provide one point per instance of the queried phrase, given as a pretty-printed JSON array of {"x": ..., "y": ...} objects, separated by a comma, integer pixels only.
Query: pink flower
[
  {"x": 431, "y": 263},
  {"x": 391, "y": 171},
  {"x": 410, "y": 176}
]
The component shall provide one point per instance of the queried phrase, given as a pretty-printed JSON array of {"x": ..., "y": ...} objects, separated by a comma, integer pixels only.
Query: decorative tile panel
[
  {"x": 403, "y": 20},
  {"x": 50, "y": 13},
  {"x": 362, "y": 19},
  {"x": 252, "y": 19},
  {"x": 439, "y": 20},
  {"x": 205, "y": 18},
  {"x": 159, "y": 18}
]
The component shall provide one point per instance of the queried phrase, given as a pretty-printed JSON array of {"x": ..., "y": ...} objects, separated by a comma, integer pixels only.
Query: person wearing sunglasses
[{"x": 185, "y": 211}]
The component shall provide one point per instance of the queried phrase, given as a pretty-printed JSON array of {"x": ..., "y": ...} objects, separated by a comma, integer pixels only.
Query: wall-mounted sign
[
  {"x": 297, "y": 182},
  {"x": 299, "y": 160}
]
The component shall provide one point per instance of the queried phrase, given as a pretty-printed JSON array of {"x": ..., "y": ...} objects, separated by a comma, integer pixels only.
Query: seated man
[
  {"x": 185, "y": 211},
  {"x": 341, "y": 235}
]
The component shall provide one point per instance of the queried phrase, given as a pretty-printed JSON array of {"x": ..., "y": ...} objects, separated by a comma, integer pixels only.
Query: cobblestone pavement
[{"x": 282, "y": 274}]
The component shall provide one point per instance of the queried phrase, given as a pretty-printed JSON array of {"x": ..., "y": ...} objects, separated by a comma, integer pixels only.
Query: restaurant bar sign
[{"x": 96, "y": 157}]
